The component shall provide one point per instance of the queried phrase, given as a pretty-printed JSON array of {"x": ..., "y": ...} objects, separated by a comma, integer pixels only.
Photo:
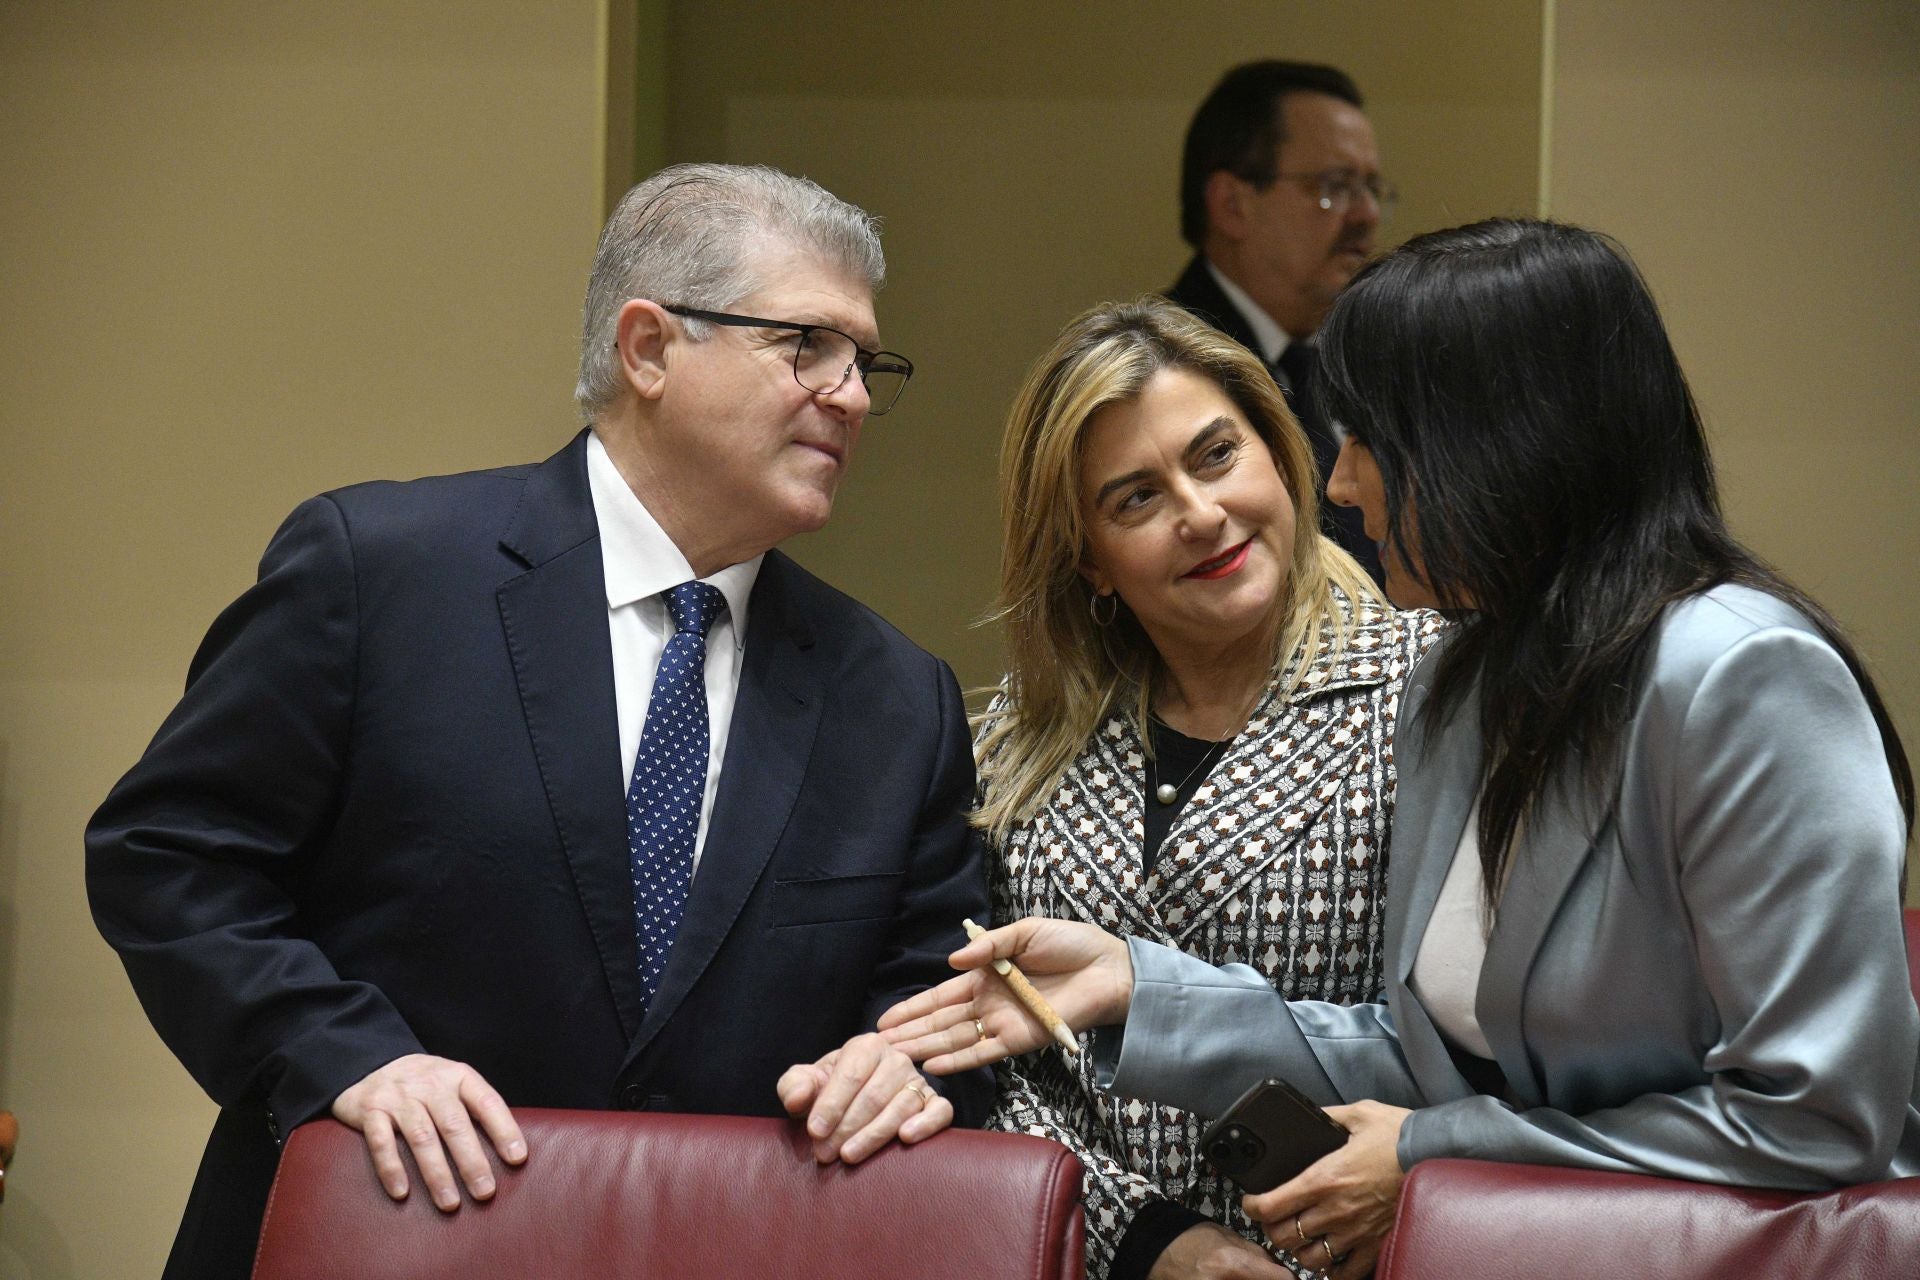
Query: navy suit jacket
[
  {"x": 1199, "y": 293},
  {"x": 387, "y": 817}
]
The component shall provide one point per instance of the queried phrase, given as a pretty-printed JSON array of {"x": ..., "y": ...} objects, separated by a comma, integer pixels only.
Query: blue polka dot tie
[{"x": 670, "y": 780}]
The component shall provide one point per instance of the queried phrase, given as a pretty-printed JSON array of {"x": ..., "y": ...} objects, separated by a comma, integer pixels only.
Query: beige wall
[
  {"x": 246, "y": 256},
  {"x": 1762, "y": 172},
  {"x": 250, "y": 251},
  {"x": 1025, "y": 158}
]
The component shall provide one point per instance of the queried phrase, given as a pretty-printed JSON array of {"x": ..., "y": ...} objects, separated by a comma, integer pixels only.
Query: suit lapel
[
  {"x": 555, "y": 620},
  {"x": 1552, "y": 849},
  {"x": 776, "y": 716},
  {"x": 1439, "y": 777},
  {"x": 1200, "y": 293},
  {"x": 1288, "y": 747}
]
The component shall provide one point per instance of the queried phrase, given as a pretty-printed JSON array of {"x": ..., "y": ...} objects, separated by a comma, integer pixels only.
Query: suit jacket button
[{"x": 631, "y": 1097}]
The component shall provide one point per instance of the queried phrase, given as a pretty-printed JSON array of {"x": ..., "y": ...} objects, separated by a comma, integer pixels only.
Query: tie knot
[
  {"x": 1298, "y": 362},
  {"x": 694, "y": 606}
]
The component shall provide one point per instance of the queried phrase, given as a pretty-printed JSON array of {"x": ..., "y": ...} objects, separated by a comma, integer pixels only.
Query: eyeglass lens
[
  {"x": 824, "y": 360},
  {"x": 1343, "y": 189}
]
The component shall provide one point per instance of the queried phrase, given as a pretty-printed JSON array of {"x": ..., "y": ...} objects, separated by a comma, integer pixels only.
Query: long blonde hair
[{"x": 1065, "y": 672}]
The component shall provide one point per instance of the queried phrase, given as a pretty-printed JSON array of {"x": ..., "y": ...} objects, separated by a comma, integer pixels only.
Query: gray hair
[{"x": 688, "y": 235}]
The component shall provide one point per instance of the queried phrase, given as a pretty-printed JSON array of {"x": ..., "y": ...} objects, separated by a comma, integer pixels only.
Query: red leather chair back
[
  {"x": 636, "y": 1196},
  {"x": 1508, "y": 1221}
]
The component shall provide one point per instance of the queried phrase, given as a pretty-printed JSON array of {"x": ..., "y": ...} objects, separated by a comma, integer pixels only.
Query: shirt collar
[
  {"x": 638, "y": 557},
  {"x": 1267, "y": 332}
]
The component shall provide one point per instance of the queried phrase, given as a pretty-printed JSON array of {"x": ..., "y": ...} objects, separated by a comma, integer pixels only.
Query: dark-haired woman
[{"x": 1645, "y": 902}]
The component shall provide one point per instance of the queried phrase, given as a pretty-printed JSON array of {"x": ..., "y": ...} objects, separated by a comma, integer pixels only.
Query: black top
[
  {"x": 1182, "y": 761},
  {"x": 1185, "y": 762}
]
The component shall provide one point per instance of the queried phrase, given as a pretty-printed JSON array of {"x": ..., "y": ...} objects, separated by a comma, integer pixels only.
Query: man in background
[
  {"x": 558, "y": 785},
  {"x": 1280, "y": 195}
]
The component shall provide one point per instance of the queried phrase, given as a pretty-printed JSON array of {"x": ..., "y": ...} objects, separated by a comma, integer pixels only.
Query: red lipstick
[{"x": 1221, "y": 566}]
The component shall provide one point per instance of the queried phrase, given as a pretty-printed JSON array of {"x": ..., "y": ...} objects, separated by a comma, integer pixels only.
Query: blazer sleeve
[
  {"x": 193, "y": 861},
  {"x": 1196, "y": 1033},
  {"x": 946, "y": 883},
  {"x": 1789, "y": 843}
]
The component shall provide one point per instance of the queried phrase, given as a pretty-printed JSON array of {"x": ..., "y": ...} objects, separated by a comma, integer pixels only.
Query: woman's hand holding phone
[{"x": 1347, "y": 1198}]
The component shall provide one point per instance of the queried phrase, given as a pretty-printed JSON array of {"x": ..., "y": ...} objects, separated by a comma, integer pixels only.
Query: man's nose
[
  {"x": 1364, "y": 209},
  {"x": 849, "y": 400}
]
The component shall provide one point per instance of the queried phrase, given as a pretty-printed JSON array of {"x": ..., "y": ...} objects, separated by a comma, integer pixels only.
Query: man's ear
[
  {"x": 642, "y": 336},
  {"x": 1226, "y": 198}
]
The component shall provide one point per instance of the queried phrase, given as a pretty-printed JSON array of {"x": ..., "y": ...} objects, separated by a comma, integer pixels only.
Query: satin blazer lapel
[
  {"x": 1438, "y": 781},
  {"x": 1439, "y": 777},
  {"x": 776, "y": 716},
  {"x": 555, "y": 619},
  {"x": 1554, "y": 847}
]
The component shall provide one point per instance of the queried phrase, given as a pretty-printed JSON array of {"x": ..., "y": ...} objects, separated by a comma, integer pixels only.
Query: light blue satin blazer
[{"x": 1708, "y": 981}]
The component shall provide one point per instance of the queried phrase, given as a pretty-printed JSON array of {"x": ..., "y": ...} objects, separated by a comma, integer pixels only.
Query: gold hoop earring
[{"x": 1093, "y": 609}]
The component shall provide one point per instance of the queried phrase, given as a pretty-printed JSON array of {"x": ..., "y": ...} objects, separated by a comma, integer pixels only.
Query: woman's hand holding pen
[{"x": 973, "y": 1020}]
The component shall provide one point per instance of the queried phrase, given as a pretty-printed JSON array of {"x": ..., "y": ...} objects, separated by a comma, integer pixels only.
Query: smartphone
[{"x": 1270, "y": 1135}]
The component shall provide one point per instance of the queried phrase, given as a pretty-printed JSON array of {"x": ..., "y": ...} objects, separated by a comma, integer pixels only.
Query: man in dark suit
[
  {"x": 1280, "y": 193},
  {"x": 558, "y": 785}
]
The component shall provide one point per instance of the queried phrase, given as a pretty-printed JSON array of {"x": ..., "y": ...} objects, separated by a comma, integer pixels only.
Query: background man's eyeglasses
[
  {"x": 823, "y": 358},
  {"x": 1340, "y": 188}
]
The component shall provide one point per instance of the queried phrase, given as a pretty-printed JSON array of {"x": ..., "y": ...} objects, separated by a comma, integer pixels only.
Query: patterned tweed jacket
[{"x": 1279, "y": 861}]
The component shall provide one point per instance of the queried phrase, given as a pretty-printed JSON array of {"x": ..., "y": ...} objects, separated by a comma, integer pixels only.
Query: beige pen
[{"x": 1023, "y": 990}]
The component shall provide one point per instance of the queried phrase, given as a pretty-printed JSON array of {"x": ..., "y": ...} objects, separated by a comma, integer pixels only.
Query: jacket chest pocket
[{"x": 834, "y": 899}]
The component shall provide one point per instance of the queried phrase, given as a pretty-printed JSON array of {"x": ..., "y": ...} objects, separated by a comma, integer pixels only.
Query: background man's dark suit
[
  {"x": 1200, "y": 293},
  {"x": 387, "y": 817}
]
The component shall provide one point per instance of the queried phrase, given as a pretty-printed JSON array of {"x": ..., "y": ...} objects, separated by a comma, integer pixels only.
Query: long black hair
[{"x": 1533, "y": 430}]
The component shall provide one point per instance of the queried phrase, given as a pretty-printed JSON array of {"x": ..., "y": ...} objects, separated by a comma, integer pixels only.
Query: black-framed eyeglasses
[
  {"x": 1341, "y": 188},
  {"x": 824, "y": 358}
]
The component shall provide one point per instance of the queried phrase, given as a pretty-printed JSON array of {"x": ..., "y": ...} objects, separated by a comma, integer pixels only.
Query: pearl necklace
[{"x": 1168, "y": 792}]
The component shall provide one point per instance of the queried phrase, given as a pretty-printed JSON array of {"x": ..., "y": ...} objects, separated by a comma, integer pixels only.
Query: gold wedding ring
[
  {"x": 980, "y": 1028},
  {"x": 1301, "y": 1231},
  {"x": 920, "y": 1087},
  {"x": 1332, "y": 1261}
]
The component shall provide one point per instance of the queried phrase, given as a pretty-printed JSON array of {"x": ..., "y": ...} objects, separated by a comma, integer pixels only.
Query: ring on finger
[
  {"x": 1333, "y": 1259},
  {"x": 980, "y": 1030},
  {"x": 920, "y": 1087},
  {"x": 1301, "y": 1231}
]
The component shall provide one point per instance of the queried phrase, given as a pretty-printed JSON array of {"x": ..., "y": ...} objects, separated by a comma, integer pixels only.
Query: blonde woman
[{"x": 1192, "y": 741}]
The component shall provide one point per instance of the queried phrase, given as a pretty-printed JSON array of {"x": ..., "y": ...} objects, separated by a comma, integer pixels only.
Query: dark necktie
[{"x": 670, "y": 780}]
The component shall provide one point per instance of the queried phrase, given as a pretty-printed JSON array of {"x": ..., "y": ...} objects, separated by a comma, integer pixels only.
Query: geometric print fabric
[
  {"x": 1277, "y": 862},
  {"x": 670, "y": 780}
]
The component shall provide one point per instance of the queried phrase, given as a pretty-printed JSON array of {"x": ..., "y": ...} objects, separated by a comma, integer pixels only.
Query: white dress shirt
[
  {"x": 1273, "y": 340},
  {"x": 1267, "y": 332},
  {"x": 641, "y": 563}
]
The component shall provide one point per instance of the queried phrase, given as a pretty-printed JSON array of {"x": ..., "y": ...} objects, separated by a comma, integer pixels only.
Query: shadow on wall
[
  {"x": 31, "y": 1244},
  {"x": 9, "y": 926}
]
